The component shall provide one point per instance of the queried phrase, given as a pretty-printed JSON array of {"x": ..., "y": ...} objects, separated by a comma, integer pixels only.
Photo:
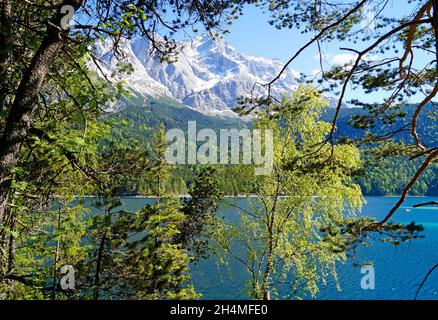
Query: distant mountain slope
[
  {"x": 209, "y": 75},
  {"x": 384, "y": 177},
  {"x": 143, "y": 117},
  {"x": 427, "y": 125}
]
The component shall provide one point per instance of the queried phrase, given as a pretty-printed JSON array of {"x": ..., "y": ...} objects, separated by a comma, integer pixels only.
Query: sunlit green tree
[{"x": 277, "y": 237}]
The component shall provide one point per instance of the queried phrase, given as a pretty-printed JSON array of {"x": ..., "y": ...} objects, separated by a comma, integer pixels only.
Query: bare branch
[
  {"x": 424, "y": 280},
  {"x": 405, "y": 192},
  {"x": 430, "y": 203}
]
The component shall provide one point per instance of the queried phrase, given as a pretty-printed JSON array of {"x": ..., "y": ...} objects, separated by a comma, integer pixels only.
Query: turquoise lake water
[{"x": 398, "y": 269}]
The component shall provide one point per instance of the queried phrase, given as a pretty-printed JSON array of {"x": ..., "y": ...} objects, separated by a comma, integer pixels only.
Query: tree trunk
[
  {"x": 3, "y": 248},
  {"x": 19, "y": 118},
  {"x": 3, "y": 212},
  {"x": 435, "y": 25},
  {"x": 267, "y": 274},
  {"x": 11, "y": 251},
  {"x": 435, "y": 28},
  {"x": 99, "y": 266},
  {"x": 5, "y": 44},
  {"x": 271, "y": 225},
  {"x": 55, "y": 263}
]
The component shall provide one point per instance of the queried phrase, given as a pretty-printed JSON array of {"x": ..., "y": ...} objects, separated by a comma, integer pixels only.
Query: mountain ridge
[{"x": 209, "y": 75}]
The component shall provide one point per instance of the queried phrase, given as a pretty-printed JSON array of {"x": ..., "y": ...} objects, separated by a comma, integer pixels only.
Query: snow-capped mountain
[{"x": 209, "y": 75}]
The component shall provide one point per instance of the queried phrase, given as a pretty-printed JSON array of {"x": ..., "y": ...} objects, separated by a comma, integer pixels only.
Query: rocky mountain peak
[{"x": 208, "y": 76}]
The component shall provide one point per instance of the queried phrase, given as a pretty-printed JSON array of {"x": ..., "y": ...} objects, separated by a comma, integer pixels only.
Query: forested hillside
[{"x": 387, "y": 176}]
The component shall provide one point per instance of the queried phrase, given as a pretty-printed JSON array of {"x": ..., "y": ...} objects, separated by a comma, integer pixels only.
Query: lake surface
[{"x": 398, "y": 269}]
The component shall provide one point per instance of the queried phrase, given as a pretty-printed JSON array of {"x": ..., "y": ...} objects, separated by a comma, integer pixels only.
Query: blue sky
[{"x": 251, "y": 34}]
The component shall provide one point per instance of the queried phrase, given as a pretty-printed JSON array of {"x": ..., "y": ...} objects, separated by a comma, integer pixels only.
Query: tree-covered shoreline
[{"x": 379, "y": 177}]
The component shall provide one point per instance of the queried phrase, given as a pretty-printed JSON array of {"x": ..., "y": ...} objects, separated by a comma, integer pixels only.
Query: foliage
[
  {"x": 107, "y": 262},
  {"x": 200, "y": 210},
  {"x": 56, "y": 148},
  {"x": 277, "y": 238},
  {"x": 384, "y": 172}
]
